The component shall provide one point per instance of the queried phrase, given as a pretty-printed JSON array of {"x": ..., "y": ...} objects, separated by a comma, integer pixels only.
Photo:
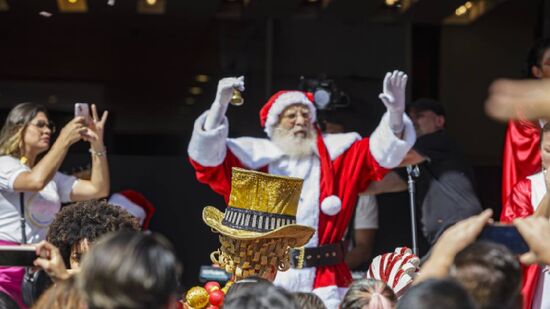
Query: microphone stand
[{"x": 413, "y": 172}]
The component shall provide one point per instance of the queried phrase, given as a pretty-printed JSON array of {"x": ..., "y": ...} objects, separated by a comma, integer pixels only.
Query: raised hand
[
  {"x": 73, "y": 131},
  {"x": 393, "y": 95},
  {"x": 226, "y": 86},
  {"x": 51, "y": 261},
  {"x": 518, "y": 99},
  {"x": 536, "y": 232},
  {"x": 95, "y": 130}
]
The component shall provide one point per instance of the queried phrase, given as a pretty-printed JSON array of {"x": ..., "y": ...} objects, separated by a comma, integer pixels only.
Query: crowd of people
[{"x": 290, "y": 198}]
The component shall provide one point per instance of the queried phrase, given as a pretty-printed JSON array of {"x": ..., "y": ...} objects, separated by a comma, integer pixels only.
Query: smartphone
[
  {"x": 505, "y": 234},
  {"x": 17, "y": 255},
  {"x": 82, "y": 110}
]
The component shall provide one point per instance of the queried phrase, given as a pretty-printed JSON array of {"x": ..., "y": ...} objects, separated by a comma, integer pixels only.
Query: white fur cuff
[
  {"x": 208, "y": 148},
  {"x": 388, "y": 149}
]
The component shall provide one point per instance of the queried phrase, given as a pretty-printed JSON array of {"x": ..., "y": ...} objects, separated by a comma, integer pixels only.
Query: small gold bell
[{"x": 236, "y": 98}]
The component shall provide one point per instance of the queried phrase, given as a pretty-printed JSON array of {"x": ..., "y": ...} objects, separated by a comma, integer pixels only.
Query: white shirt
[
  {"x": 40, "y": 207},
  {"x": 541, "y": 299},
  {"x": 366, "y": 212}
]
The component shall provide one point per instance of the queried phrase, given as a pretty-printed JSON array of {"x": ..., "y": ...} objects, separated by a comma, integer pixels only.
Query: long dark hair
[{"x": 11, "y": 136}]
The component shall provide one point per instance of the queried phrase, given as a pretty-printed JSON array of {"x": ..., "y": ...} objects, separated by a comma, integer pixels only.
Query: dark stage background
[{"x": 141, "y": 67}]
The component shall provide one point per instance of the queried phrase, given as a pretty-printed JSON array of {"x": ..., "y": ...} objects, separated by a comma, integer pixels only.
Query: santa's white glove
[
  {"x": 223, "y": 97},
  {"x": 393, "y": 96}
]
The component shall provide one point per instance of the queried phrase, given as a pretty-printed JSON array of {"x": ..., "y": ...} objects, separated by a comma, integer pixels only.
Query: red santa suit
[
  {"x": 521, "y": 155},
  {"x": 343, "y": 166},
  {"x": 524, "y": 199}
]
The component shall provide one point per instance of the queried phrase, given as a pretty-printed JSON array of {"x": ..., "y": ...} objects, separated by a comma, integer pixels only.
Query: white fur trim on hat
[
  {"x": 134, "y": 209},
  {"x": 283, "y": 101},
  {"x": 331, "y": 205}
]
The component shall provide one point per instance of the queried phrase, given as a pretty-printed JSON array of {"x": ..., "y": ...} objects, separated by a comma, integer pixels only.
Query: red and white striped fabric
[{"x": 397, "y": 269}]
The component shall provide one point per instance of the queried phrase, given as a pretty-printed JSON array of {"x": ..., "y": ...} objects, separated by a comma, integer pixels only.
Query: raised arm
[
  {"x": 99, "y": 184},
  {"x": 393, "y": 96},
  {"x": 223, "y": 97},
  {"x": 43, "y": 172}
]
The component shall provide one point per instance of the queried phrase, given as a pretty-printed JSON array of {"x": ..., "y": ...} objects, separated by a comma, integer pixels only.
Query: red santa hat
[
  {"x": 136, "y": 204},
  {"x": 269, "y": 119}
]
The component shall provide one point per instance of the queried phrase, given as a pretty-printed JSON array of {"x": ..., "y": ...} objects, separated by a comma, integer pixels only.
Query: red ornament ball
[
  {"x": 212, "y": 286},
  {"x": 216, "y": 297}
]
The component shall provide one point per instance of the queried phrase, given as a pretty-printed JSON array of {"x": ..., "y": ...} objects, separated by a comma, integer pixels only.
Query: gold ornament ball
[{"x": 197, "y": 297}]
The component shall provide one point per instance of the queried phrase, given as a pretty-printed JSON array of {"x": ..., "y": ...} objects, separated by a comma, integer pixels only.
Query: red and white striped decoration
[{"x": 397, "y": 269}]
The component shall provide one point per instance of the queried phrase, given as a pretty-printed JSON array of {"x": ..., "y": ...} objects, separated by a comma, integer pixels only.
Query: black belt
[{"x": 324, "y": 255}]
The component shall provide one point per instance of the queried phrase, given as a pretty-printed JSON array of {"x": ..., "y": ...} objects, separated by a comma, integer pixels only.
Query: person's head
[
  {"x": 253, "y": 257},
  {"x": 130, "y": 270},
  {"x": 369, "y": 293},
  {"x": 288, "y": 119},
  {"x": 27, "y": 131},
  {"x": 545, "y": 145},
  {"x": 427, "y": 115},
  {"x": 6, "y": 302},
  {"x": 295, "y": 133},
  {"x": 246, "y": 283},
  {"x": 538, "y": 59},
  {"x": 436, "y": 293},
  {"x": 490, "y": 273},
  {"x": 308, "y": 301},
  {"x": 78, "y": 225},
  {"x": 258, "y": 295},
  {"x": 63, "y": 294}
]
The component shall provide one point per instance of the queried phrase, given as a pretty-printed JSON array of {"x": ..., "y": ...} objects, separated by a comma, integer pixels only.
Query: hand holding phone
[
  {"x": 17, "y": 255},
  {"x": 505, "y": 234},
  {"x": 82, "y": 110}
]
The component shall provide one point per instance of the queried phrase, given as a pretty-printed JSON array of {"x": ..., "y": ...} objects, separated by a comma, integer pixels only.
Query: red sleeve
[
  {"x": 518, "y": 204},
  {"x": 521, "y": 155},
  {"x": 218, "y": 177}
]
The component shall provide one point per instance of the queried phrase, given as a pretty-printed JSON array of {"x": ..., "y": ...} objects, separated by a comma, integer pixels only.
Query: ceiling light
[
  {"x": 202, "y": 78},
  {"x": 72, "y": 6},
  {"x": 195, "y": 90},
  {"x": 461, "y": 10},
  {"x": 151, "y": 6},
  {"x": 4, "y": 5}
]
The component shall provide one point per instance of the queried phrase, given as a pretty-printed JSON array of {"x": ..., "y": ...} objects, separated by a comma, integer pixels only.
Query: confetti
[{"x": 45, "y": 14}]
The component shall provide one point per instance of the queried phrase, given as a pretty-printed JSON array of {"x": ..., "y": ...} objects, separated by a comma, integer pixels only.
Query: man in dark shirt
[{"x": 444, "y": 187}]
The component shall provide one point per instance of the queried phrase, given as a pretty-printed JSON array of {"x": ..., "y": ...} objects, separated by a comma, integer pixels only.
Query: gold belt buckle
[{"x": 300, "y": 258}]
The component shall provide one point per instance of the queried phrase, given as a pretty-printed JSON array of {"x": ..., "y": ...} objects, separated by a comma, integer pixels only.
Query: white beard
[{"x": 295, "y": 146}]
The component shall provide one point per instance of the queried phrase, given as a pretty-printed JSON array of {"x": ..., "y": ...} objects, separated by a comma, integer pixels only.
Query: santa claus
[
  {"x": 524, "y": 200},
  {"x": 335, "y": 168}
]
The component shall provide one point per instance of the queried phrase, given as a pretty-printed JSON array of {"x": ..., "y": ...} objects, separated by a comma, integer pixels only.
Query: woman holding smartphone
[{"x": 25, "y": 136}]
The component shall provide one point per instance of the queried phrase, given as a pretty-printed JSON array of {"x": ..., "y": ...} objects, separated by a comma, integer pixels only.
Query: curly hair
[{"x": 87, "y": 220}]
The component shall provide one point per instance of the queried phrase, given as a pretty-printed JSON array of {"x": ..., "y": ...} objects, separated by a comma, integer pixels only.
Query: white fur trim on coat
[
  {"x": 538, "y": 189},
  {"x": 339, "y": 142},
  {"x": 258, "y": 152},
  {"x": 208, "y": 148},
  {"x": 331, "y": 295},
  {"x": 254, "y": 152},
  {"x": 282, "y": 102},
  {"x": 386, "y": 148}
]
